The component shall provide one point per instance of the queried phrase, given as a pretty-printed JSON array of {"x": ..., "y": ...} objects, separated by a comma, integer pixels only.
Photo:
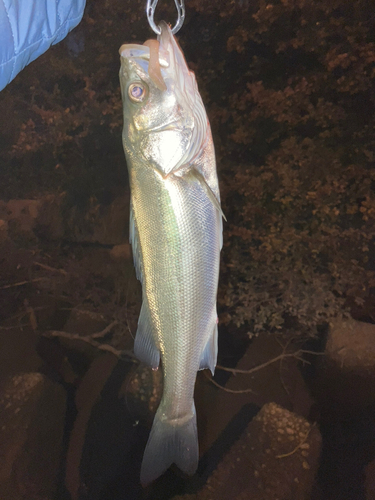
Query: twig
[
  {"x": 104, "y": 332},
  {"x": 232, "y": 391},
  {"x": 280, "y": 357},
  {"x": 282, "y": 381},
  {"x": 49, "y": 268},
  {"x": 284, "y": 455},
  {"x": 31, "y": 313},
  {"x": 259, "y": 367},
  {"x": 23, "y": 313},
  {"x": 304, "y": 361},
  {"x": 21, "y": 325},
  {"x": 89, "y": 339},
  {"x": 303, "y": 351},
  {"x": 20, "y": 283},
  {"x": 91, "y": 314},
  {"x": 119, "y": 354}
]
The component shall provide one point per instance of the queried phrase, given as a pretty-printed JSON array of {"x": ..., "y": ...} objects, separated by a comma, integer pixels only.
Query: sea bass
[{"x": 176, "y": 237}]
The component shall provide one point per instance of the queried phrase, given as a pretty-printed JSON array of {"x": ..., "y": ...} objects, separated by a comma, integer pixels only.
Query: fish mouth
[
  {"x": 157, "y": 55},
  {"x": 150, "y": 58},
  {"x": 142, "y": 53}
]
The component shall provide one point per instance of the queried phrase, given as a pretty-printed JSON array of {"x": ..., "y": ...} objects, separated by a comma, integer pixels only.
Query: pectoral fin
[
  {"x": 210, "y": 194},
  {"x": 144, "y": 345},
  {"x": 136, "y": 249},
  {"x": 209, "y": 354}
]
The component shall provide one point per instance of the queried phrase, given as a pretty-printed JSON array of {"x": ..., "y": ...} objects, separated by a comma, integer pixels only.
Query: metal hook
[{"x": 150, "y": 10}]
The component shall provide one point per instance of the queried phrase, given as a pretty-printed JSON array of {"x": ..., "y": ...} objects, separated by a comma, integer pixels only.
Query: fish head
[{"x": 165, "y": 122}]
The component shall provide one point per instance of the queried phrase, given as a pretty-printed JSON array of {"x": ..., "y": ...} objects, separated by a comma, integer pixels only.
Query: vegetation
[
  {"x": 289, "y": 88},
  {"x": 299, "y": 163}
]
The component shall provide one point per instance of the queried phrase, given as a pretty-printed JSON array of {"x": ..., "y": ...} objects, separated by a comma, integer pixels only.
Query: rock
[
  {"x": 33, "y": 218},
  {"x": 107, "y": 225},
  {"x": 275, "y": 382},
  {"x": 50, "y": 218},
  {"x": 116, "y": 403},
  {"x": 24, "y": 211},
  {"x": 84, "y": 322},
  {"x": 32, "y": 417},
  {"x": 87, "y": 394},
  {"x": 81, "y": 323},
  {"x": 343, "y": 384},
  {"x": 351, "y": 345},
  {"x": 19, "y": 217},
  {"x": 142, "y": 391},
  {"x": 275, "y": 458},
  {"x": 3, "y": 231},
  {"x": 18, "y": 351},
  {"x": 121, "y": 252},
  {"x": 370, "y": 481},
  {"x": 107, "y": 464},
  {"x": 345, "y": 381}
]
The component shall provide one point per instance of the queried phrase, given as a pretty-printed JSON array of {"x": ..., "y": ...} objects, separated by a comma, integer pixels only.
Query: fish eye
[{"x": 137, "y": 92}]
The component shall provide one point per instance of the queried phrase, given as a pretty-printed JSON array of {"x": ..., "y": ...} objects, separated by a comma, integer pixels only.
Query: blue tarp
[{"x": 29, "y": 27}]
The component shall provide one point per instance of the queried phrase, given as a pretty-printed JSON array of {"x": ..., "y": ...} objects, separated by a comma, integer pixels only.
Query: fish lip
[{"x": 165, "y": 38}]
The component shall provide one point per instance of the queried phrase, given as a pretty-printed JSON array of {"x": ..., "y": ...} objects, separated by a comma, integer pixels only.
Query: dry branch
[
  {"x": 89, "y": 339},
  {"x": 51, "y": 269},
  {"x": 231, "y": 391},
  {"x": 20, "y": 283},
  {"x": 280, "y": 357}
]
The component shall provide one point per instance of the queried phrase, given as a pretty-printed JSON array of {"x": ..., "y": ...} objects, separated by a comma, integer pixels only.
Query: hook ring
[{"x": 150, "y": 11}]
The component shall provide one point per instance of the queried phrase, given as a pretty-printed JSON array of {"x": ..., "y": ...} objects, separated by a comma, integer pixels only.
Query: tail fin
[{"x": 170, "y": 442}]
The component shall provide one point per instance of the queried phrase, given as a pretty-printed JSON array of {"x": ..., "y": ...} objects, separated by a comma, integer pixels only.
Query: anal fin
[
  {"x": 209, "y": 354},
  {"x": 144, "y": 345}
]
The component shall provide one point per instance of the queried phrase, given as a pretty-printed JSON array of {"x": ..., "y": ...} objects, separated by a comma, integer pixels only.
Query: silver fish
[{"x": 176, "y": 237}]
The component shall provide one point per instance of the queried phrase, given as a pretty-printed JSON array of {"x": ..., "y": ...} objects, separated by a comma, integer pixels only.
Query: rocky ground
[{"x": 76, "y": 407}]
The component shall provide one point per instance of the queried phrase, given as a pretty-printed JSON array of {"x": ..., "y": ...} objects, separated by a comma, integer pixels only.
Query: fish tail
[{"x": 170, "y": 441}]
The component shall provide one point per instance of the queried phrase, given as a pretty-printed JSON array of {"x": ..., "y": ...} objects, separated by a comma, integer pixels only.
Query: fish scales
[
  {"x": 176, "y": 234},
  {"x": 180, "y": 281}
]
